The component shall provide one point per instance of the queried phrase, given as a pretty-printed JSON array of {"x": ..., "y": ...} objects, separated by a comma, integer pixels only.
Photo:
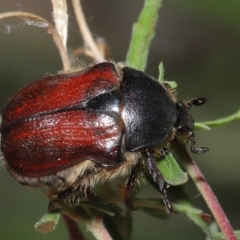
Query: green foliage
[
  {"x": 171, "y": 171},
  {"x": 142, "y": 34},
  {"x": 48, "y": 222}
]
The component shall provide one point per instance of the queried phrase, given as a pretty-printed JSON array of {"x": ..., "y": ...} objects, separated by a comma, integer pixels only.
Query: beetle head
[{"x": 185, "y": 123}]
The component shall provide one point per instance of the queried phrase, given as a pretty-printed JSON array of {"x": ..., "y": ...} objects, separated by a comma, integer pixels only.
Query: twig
[
  {"x": 205, "y": 190},
  {"x": 60, "y": 18},
  {"x": 98, "y": 229},
  {"x": 93, "y": 223},
  {"x": 37, "y": 21},
  {"x": 87, "y": 36},
  {"x": 74, "y": 233}
]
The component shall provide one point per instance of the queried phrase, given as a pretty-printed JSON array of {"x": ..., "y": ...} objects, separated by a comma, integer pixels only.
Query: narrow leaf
[
  {"x": 161, "y": 72},
  {"x": 48, "y": 222},
  {"x": 183, "y": 204},
  {"x": 172, "y": 84},
  {"x": 142, "y": 34},
  {"x": 220, "y": 236},
  {"x": 171, "y": 171}
]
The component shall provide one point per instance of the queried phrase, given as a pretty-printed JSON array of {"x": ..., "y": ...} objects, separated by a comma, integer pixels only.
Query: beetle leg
[
  {"x": 193, "y": 149},
  {"x": 130, "y": 185},
  {"x": 158, "y": 179}
]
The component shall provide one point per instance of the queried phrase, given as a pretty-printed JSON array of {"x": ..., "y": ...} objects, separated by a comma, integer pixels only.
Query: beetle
[{"x": 68, "y": 132}]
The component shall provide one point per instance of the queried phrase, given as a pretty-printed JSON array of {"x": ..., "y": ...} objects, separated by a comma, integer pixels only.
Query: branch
[
  {"x": 205, "y": 190},
  {"x": 87, "y": 36},
  {"x": 37, "y": 21}
]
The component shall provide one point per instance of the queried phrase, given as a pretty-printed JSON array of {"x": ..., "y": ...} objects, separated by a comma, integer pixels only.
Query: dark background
[{"x": 199, "y": 43}]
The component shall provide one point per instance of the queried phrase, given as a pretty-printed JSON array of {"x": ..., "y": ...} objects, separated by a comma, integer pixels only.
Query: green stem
[
  {"x": 224, "y": 120},
  {"x": 142, "y": 34},
  {"x": 205, "y": 190}
]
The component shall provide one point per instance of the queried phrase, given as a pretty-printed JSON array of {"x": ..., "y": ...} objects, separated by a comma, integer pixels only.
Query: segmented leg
[
  {"x": 158, "y": 179},
  {"x": 131, "y": 183}
]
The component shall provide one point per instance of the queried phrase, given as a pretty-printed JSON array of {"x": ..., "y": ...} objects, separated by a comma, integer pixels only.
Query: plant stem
[
  {"x": 224, "y": 120},
  {"x": 142, "y": 34},
  {"x": 60, "y": 17},
  {"x": 73, "y": 230},
  {"x": 205, "y": 190},
  {"x": 87, "y": 36},
  {"x": 37, "y": 21},
  {"x": 92, "y": 223},
  {"x": 98, "y": 230}
]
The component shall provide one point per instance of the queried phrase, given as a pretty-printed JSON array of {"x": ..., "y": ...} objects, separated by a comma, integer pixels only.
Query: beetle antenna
[
  {"x": 196, "y": 102},
  {"x": 193, "y": 149}
]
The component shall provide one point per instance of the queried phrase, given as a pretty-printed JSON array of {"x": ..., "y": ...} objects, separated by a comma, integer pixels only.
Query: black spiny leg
[
  {"x": 158, "y": 179},
  {"x": 131, "y": 183}
]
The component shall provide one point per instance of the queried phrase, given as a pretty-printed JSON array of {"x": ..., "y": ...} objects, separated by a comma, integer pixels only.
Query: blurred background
[{"x": 199, "y": 44}]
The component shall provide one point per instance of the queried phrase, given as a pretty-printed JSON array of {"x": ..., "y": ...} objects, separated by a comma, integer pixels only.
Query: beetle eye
[
  {"x": 183, "y": 130},
  {"x": 196, "y": 150}
]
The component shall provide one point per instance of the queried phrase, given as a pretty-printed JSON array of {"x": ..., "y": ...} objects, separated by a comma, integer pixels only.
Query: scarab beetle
[{"x": 67, "y": 132}]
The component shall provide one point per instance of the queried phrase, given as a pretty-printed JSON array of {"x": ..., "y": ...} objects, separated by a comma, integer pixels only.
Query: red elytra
[
  {"x": 45, "y": 119},
  {"x": 60, "y": 91}
]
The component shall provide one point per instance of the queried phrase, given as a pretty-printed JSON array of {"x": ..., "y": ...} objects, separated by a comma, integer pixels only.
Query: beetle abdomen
[{"x": 149, "y": 111}]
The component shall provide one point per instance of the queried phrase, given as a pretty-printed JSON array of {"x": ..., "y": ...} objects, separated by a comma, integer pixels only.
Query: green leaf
[
  {"x": 213, "y": 227},
  {"x": 225, "y": 120},
  {"x": 171, "y": 171},
  {"x": 183, "y": 204},
  {"x": 161, "y": 72},
  {"x": 172, "y": 84},
  {"x": 142, "y": 34},
  {"x": 220, "y": 236},
  {"x": 197, "y": 219},
  {"x": 48, "y": 222}
]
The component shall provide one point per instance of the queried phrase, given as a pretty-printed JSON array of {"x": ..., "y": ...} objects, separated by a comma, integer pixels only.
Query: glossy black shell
[{"x": 149, "y": 112}]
